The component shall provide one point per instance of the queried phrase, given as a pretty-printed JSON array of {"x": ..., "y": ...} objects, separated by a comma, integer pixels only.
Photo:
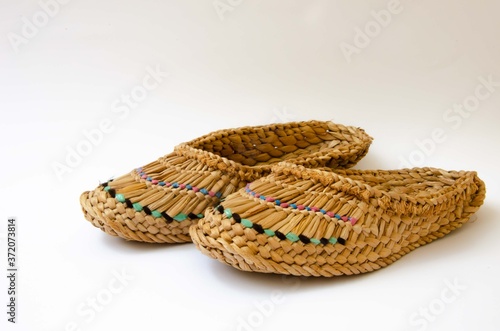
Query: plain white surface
[{"x": 253, "y": 62}]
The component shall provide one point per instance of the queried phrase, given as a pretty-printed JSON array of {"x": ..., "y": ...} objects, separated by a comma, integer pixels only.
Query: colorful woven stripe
[
  {"x": 155, "y": 213},
  {"x": 282, "y": 204},
  {"x": 188, "y": 187},
  {"x": 282, "y": 236}
]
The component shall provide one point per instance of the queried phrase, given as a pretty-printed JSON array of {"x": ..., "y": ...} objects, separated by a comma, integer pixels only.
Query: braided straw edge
[
  {"x": 324, "y": 158},
  {"x": 99, "y": 221},
  {"x": 231, "y": 255}
]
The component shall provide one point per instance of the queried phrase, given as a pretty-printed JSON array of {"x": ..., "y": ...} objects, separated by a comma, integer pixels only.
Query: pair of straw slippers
[{"x": 278, "y": 199}]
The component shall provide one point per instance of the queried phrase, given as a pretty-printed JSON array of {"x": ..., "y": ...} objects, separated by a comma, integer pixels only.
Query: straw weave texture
[
  {"x": 323, "y": 222},
  {"x": 201, "y": 172}
]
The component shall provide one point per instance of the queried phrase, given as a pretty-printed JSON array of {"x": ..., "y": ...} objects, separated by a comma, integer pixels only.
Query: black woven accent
[
  {"x": 258, "y": 228},
  {"x": 304, "y": 239},
  {"x": 280, "y": 235},
  {"x": 167, "y": 217}
]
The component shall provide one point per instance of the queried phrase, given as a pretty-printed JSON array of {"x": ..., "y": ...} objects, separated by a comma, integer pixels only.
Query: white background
[{"x": 257, "y": 62}]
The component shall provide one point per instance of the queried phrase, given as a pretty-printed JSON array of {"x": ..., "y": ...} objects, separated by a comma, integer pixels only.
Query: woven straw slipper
[
  {"x": 158, "y": 202},
  {"x": 318, "y": 222}
]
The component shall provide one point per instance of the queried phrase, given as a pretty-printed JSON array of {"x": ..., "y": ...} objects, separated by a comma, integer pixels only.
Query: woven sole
[
  {"x": 130, "y": 229},
  {"x": 225, "y": 249}
]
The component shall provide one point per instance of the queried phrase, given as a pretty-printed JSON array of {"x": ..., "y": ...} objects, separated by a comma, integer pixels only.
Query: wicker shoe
[
  {"x": 318, "y": 222},
  {"x": 158, "y": 202}
]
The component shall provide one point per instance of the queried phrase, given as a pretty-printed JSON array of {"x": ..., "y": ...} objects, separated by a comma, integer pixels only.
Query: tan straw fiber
[
  {"x": 158, "y": 202},
  {"x": 318, "y": 222}
]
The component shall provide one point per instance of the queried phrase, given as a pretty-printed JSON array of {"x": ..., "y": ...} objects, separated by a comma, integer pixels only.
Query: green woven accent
[
  {"x": 333, "y": 240},
  {"x": 292, "y": 237},
  {"x": 181, "y": 217},
  {"x": 246, "y": 223},
  {"x": 228, "y": 213},
  {"x": 107, "y": 188},
  {"x": 120, "y": 197},
  {"x": 315, "y": 241},
  {"x": 137, "y": 206},
  {"x": 270, "y": 233},
  {"x": 156, "y": 213}
]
